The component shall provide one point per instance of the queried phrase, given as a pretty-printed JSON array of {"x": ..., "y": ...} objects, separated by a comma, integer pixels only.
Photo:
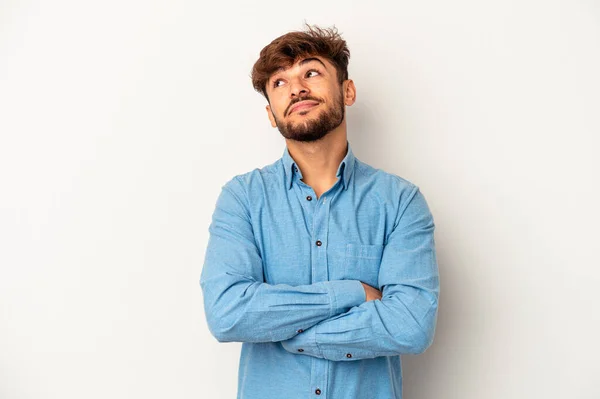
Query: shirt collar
[{"x": 344, "y": 170}]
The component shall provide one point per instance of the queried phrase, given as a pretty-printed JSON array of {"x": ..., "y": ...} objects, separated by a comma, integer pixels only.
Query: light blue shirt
[{"x": 282, "y": 274}]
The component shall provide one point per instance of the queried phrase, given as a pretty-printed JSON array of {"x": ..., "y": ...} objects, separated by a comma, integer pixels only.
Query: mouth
[{"x": 303, "y": 106}]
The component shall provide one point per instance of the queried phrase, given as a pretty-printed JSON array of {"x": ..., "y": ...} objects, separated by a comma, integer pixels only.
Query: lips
[{"x": 302, "y": 105}]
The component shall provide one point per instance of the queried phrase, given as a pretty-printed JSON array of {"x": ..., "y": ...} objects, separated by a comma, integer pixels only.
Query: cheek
[
  {"x": 279, "y": 110},
  {"x": 277, "y": 104},
  {"x": 326, "y": 92}
]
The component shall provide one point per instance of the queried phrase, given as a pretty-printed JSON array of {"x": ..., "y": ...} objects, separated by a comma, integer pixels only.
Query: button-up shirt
[{"x": 283, "y": 271}]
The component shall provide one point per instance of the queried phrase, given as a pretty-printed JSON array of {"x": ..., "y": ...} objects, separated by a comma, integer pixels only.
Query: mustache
[{"x": 287, "y": 110}]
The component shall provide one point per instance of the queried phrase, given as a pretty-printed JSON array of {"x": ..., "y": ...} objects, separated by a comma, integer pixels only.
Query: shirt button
[
  {"x": 300, "y": 330},
  {"x": 309, "y": 198},
  {"x": 318, "y": 391},
  {"x": 295, "y": 169},
  {"x": 318, "y": 243},
  {"x": 300, "y": 350},
  {"x": 348, "y": 355}
]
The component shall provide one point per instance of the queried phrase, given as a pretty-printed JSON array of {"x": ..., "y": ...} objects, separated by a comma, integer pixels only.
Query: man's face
[{"x": 306, "y": 101}]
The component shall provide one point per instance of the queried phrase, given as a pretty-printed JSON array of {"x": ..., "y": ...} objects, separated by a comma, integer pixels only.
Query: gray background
[{"x": 121, "y": 120}]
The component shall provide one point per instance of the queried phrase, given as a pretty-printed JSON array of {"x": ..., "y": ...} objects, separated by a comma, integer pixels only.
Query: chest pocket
[{"x": 358, "y": 262}]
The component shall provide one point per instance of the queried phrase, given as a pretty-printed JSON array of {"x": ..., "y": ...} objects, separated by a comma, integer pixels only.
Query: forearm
[
  {"x": 250, "y": 311},
  {"x": 387, "y": 327}
]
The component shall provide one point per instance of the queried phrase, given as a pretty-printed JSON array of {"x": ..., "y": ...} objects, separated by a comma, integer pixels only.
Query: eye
[
  {"x": 313, "y": 70},
  {"x": 276, "y": 82}
]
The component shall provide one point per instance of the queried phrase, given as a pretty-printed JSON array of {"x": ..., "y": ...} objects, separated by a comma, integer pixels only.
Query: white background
[{"x": 121, "y": 120}]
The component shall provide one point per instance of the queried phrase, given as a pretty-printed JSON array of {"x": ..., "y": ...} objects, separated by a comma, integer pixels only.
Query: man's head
[{"x": 304, "y": 77}]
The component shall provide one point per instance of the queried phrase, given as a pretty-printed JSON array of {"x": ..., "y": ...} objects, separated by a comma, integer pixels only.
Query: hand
[{"x": 372, "y": 293}]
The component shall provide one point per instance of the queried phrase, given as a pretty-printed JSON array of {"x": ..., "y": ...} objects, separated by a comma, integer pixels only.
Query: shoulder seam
[
  {"x": 242, "y": 201},
  {"x": 408, "y": 201}
]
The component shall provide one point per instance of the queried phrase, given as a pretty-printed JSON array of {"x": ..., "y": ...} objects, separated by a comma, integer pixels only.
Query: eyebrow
[
  {"x": 304, "y": 61},
  {"x": 307, "y": 60}
]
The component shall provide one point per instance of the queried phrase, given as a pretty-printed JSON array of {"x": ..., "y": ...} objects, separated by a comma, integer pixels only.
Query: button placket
[{"x": 320, "y": 272}]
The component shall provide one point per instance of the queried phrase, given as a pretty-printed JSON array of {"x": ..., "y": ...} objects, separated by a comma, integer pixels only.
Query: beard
[{"x": 316, "y": 128}]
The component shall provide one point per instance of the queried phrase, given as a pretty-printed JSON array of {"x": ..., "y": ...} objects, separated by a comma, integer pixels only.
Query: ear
[
  {"x": 271, "y": 117},
  {"x": 349, "y": 92}
]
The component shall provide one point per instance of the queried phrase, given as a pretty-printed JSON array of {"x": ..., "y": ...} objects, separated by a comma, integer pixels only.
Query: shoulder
[
  {"x": 389, "y": 186},
  {"x": 403, "y": 198},
  {"x": 245, "y": 182}
]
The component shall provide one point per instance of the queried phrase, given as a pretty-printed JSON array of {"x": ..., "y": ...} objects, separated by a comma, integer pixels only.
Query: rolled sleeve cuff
[{"x": 345, "y": 294}]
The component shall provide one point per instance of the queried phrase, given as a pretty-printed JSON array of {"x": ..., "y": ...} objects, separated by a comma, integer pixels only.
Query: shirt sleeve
[
  {"x": 238, "y": 304},
  {"x": 404, "y": 320}
]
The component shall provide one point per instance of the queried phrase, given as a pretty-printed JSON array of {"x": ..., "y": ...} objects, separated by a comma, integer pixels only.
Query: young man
[{"x": 323, "y": 266}]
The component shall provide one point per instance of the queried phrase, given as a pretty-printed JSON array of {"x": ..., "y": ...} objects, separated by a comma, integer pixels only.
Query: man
[{"x": 323, "y": 266}]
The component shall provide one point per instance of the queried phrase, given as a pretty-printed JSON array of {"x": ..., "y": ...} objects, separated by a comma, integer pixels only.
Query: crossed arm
[{"x": 328, "y": 319}]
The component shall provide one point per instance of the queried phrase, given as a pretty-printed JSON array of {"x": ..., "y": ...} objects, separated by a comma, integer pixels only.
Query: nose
[{"x": 297, "y": 89}]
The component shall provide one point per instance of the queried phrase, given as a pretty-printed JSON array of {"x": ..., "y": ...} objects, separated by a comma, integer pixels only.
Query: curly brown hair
[{"x": 285, "y": 50}]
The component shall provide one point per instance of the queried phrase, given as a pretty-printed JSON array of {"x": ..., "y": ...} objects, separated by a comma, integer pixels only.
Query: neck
[{"x": 319, "y": 160}]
